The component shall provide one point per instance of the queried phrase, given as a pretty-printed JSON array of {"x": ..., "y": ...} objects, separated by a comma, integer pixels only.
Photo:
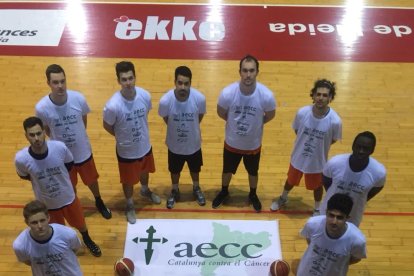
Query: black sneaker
[
  {"x": 93, "y": 248},
  {"x": 220, "y": 198},
  {"x": 174, "y": 196},
  {"x": 256, "y": 202},
  {"x": 105, "y": 212}
]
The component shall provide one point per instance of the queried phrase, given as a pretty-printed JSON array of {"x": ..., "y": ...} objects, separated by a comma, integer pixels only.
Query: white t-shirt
[
  {"x": 130, "y": 121},
  {"x": 183, "y": 129},
  {"x": 326, "y": 256},
  {"x": 50, "y": 178},
  {"x": 53, "y": 257},
  {"x": 355, "y": 184},
  {"x": 244, "y": 125},
  {"x": 313, "y": 139},
  {"x": 66, "y": 124}
]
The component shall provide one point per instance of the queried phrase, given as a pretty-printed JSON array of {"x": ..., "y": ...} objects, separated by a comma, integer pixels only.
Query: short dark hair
[
  {"x": 54, "y": 68},
  {"x": 324, "y": 83},
  {"x": 183, "y": 71},
  {"x": 249, "y": 58},
  {"x": 124, "y": 67},
  {"x": 369, "y": 135},
  {"x": 340, "y": 202},
  {"x": 34, "y": 207},
  {"x": 31, "y": 122}
]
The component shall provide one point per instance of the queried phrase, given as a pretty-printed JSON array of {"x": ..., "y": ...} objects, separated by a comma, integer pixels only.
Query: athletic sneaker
[
  {"x": 254, "y": 200},
  {"x": 151, "y": 196},
  {"x": 316, "y": 213},
  {"x": 174, "y": 196},
  {"x": 199, "y": 196},
  {"x": 105, "y": 212},
  {"x": 93, "y": 248},
  {"x": 220, "y": 198},
  {"x": 130, "y": 214},
  {"x": 277, "y": 204}
]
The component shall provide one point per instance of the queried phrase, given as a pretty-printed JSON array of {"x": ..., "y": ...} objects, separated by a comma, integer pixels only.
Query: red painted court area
[{"x": 284, "y": 33}]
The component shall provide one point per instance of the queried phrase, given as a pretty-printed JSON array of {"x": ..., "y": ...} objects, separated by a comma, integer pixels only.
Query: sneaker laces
[{"x": 93, "y": 248}]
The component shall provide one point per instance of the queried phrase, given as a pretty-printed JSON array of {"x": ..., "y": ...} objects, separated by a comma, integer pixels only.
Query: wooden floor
[{"x": 371, "y": 96}]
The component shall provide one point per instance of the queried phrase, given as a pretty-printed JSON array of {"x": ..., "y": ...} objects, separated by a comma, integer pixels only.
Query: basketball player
[
  {"x": 47, "y": 164},
  {"x": 50, "y": 249},
  {"x": 246, "y": 106},
  {"x": 357, "y": 175},
  {"x": 125, "y": 116},
  {"x": 317, "y": 127},
  {"x": 333, "y": 243},
  {"x": 183, "y": 109},
  {"x": 64, "y": 115}
]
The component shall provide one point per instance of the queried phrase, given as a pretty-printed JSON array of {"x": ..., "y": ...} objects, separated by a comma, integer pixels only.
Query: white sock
[
  {"x": 130, "y": 201},
  {"x": 196, "y": 185},
  {"x": 175, "y": 187},
  {"x": 284, "y": 194},
  {"x": 317, "y": 205},
  {"x": 144, "y": 188}
]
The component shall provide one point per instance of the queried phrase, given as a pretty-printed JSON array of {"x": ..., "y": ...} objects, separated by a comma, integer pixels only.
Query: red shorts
[
  {"x": 73, "y": 214},
  {"x": 86, "y": 170},
  {"x": 313, "y": 181},
  {"x": 130, "y": 172}
]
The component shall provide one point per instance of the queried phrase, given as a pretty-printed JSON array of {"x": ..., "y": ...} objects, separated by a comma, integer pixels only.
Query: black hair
[
  {"x": 31, "y": 122},
  {"x": 54, "y": 68},
  {"x": 124, "y": 67},
  {"x": 367, "y": 134},
  {"x": 183, "y": 71},
  {"x": 324, "y": 83},
  {"x": 341, "y": 202},
  {"x": 249, "y": 58}
]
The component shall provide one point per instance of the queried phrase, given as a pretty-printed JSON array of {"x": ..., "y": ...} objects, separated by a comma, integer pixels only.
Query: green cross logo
[{"x": 149, "y": 240}]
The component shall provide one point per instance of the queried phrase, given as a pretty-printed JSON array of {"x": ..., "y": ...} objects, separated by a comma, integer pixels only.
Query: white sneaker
[
  {"x": 276, "y": 204},
  {"x": 151, "y": 196},
  {"x": 316, "y": 213},
  {"x": 130, "y": 214}
]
